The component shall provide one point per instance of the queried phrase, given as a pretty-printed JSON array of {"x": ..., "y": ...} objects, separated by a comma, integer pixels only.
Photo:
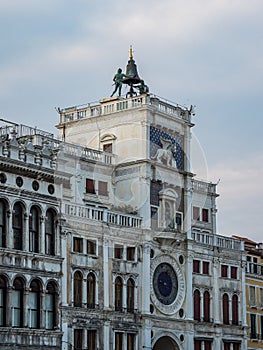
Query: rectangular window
[
  {"x": 236, "y": 346},
  {"x": 196, "y": 213},
  {"x": 178, "y": 220},
  {"x": 81, "y": 114},
  {"x": 78, "y": 339},
  {"x": 234, "y": 272},
  {"x": 103, "y": 188},
  {"x": 261, "y": 297},
  {"x": 118, "y": 252},
  {"x": 33, "y": 310},
  {"x": 205, "y": 216},
  {"x": 118, "y": 341},
  {"x": 208, "y": 345},
  {"x": 92, "y": 343},
  {"x": 197, "y": 345},
  {"x": 205, "y": 267},
  {"x": 255, "y": 265},
  {"x": 252, "y": 296},
  {"x": 91, "y": 247},
  {"x": 107, "y": 148},
  {"x": 196, "y": 266},
  {"x": 90, "y": 186},
  {"x": 130, "y": 253},
  {"x": 130, "y": 341},
  {"x": 154, "y": 218},
  {"x": 249, "y": 265},
  {"x": 77, "y": 245},
  {"x": 253, "y": 326},
  {"x": 49, "y": 301},
  {"x": 226, "y": 346},
  {"x": 224, "y": 271},
  {"x": 17, "y": 308}
]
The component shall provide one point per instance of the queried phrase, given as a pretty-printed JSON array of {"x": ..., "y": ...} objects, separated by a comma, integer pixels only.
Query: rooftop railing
[
  {"x": 203, "y": 186},
  {"x": 112, "y": 105}
]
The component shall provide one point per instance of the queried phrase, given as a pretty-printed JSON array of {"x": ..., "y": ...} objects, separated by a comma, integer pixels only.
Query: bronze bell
[{"x": 132, "y": 76}]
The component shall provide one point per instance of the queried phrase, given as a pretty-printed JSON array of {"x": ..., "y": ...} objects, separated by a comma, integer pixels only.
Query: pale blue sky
[{"x": 208, "y": 53}]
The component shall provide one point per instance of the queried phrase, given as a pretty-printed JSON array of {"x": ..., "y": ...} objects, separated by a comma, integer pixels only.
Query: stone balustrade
[
  {"x": 101, "y": 214},
  {"x": 217, "y": 240}
]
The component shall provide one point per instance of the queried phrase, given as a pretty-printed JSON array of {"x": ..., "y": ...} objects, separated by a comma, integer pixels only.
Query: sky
[{"x": 206, "y": 53}]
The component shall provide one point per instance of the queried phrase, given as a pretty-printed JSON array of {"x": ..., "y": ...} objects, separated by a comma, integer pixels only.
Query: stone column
[
  {"x": 106, "y": 337},
  {"x": 216, "y": 294},
  {"x": 64, "y": 278},
  {"x": 145, "y": 279},
  {"x": 9, "y": 231},
  {"x": 42, "y": 235},
  {"x": 84, "y": 292},
  {"x": 9, "y": 310},
  {"x": 146, "y": 335},
  {"x": 25, "y": 310},
  {"x": 105, "y": 273},
  {"x": 189, "y": 290},
  {"x": 26, "y": 233},
  {"x": 42, "y": 310}
]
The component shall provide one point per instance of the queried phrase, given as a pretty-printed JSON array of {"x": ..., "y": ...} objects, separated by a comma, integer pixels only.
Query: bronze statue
[
  {"x": 118, "y": 79},
  {"x": 143, "y": 88}
]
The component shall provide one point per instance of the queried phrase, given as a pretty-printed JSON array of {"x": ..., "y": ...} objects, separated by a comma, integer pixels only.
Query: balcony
[
  {"x": 217, "y": 240},
  {"x": 101, "y": 214}
]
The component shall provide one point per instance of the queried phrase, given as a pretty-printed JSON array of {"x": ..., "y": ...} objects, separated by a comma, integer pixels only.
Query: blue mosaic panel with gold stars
[{"x": 175, "y": 139}]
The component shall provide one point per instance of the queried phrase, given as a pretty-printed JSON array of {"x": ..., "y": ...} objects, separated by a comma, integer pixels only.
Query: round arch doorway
[{"x": 166, "y": 343}]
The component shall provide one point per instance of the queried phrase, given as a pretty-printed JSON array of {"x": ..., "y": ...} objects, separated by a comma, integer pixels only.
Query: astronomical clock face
[{"x": 167, "y": 285}]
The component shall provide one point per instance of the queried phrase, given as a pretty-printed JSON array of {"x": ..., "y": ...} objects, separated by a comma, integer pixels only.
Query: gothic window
[
  {"x": 18, "y": 226},
  {"x": 130, "y": 341},
  {"x": 34, "y": 227},
  {"x": 2, "y": 224},
  {"x": 34, "y": 305},
  {"x": 197, "y": 301},
  {"x": 78, "y": 289},
  {"x": 225, "y": 309},
  {"x": 17, "y": 303},
  {"x": 118, "y": 341},
  {"x": 50, "y": 232},
  {"x": 2, "y": 301},
  {"x": 78, "y": 339},
  {"x": 130, "y": 295},
  {"x": 50, "y": 301},
  {"x": 91, "y": 289},
  {"x": 206, "y": 306},
  {"x": 118, "y": 294},
  {"x": 92, "y": 339},
  {"x": 235, "y": 309}
]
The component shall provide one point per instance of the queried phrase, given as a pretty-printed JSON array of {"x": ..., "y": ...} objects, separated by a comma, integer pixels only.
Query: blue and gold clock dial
[{"x": 165, "y": 283}]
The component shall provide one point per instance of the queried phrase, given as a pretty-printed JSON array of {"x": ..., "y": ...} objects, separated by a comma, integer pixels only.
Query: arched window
[
  {"x": 118, "y": 294},
  {"x": 225, "y": 309},
  {"x": 2, "y": 301},
  {"x": 34, "y": 305},
  {"x": 235, "y": 309},
  {"x": 17, "y": 303},
  {"x": 91, "y": 290},
  {"x": 50, "y": 301},
  {"x": 197, "y": 300},
  {"x": 50, "y": 232},
  {"x": 77, "y": 289},
  {"x": 2, "y": 224},
  {"x": 130, "y": 295},
  {"x": 206, "y": 306},
  {"x": 34, "y": 226},
  {"x": 18, "y": 226}
]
